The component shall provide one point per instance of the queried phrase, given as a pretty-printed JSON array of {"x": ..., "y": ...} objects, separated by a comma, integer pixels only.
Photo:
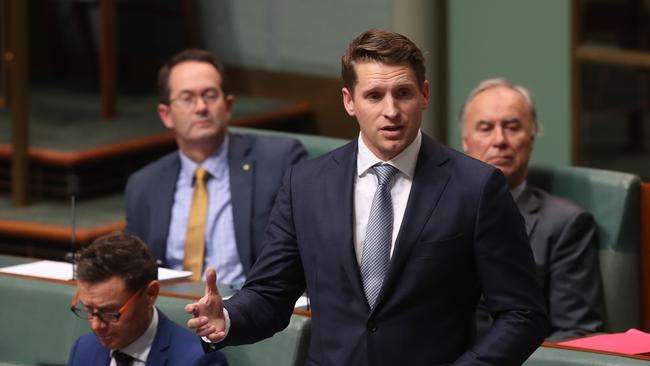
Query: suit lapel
[
  {"x": 528, "y": 205},
  {"x": 158, "y": 353},
  {"x": 102, "y": 356},
  {"x": 161, "y": 207},
  {"x": 430, "y": 179},
  {"x": 241, "y": 167},
  {"x": 339, "y": 197}
]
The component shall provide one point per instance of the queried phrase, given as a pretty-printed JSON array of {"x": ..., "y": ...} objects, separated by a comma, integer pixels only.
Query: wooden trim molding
[
  {"x": 136, "y": 145},
  {"x": 57, "y": 233}
]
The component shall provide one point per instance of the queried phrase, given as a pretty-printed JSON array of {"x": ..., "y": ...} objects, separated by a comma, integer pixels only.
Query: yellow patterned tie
[{"x": 195, "y": 237}]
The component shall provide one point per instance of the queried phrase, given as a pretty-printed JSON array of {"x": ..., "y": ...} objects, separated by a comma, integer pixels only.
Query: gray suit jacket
[
  {"x": 150, "y": 192},
  {"x": 564, "y": 241}
]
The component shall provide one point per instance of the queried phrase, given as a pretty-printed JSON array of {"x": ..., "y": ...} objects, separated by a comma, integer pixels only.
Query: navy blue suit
[
  {"x": 150, "y": 192},
  {"x": 172, "y": 345},
  {"x": 462, "y": 235}
]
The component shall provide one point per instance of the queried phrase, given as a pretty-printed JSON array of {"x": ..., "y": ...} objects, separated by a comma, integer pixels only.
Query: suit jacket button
[{"x": 372, "y": 327}]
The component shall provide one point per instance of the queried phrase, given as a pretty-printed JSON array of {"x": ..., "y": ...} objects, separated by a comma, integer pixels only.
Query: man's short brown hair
[
  {"x": 117, "y": 255},
  {"x": 191, "y": 54},
  {"x": 385, "y": 47}
]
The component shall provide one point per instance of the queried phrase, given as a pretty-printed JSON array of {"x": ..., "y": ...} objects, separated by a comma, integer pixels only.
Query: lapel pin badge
[{"x": 246, "y": 167}]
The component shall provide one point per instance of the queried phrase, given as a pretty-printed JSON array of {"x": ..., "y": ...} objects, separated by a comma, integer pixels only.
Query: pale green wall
[
  {"x": 303, "y": 36},
  {"x": 526, "y": 41}
]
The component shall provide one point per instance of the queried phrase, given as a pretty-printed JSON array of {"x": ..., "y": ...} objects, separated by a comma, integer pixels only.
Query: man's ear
[
  {"x": 348, "y": 101},
  {"x": 425, "y": 93},
  {"x": 152, "y": 290},
  {"x": 230, "y": 101},
  {"x": 163, "y": 113}
]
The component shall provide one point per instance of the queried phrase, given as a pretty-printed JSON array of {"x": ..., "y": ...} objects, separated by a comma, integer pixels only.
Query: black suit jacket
[
  {"x": 150, "y": 192},
  {"x": 563, "y": 238},
  {"x": 459, "y": 224}
]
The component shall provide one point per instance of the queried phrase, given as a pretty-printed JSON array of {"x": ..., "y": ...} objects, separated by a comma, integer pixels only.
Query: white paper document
[{"x": 63, "y": 271}]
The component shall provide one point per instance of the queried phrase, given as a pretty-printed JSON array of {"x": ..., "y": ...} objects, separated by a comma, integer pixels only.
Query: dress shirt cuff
[{"x": 227, "y": 319}]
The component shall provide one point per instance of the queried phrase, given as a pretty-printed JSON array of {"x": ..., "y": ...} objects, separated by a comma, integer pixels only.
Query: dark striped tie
[
  {"x": 376, "y": 248},
  {"x": 122, "y": 359}
]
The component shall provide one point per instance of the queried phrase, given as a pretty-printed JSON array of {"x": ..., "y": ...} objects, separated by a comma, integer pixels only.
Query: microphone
[{"x": 73, "y": 192}]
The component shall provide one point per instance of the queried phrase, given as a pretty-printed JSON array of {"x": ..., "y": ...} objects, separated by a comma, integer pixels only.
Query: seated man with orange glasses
[{"x": 117, "y": 289}]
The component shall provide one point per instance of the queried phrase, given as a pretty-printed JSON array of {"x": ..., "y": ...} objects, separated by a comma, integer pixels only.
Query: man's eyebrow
[{"x": 107, "y": 307}]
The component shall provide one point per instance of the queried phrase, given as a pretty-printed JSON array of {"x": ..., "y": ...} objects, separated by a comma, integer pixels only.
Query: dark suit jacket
[
  {"x": 459, "y": 224},
  {"x": 171, "y": 346},
  {"x": 564, "y": 241},
  {"x": 150, "y": 192}
]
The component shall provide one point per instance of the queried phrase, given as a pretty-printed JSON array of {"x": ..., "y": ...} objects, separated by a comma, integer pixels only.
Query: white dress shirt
[
  {"x": 366, "y": 184},
  {"x": 220, "y": 243},
  {"x": 140, "y": 348}
]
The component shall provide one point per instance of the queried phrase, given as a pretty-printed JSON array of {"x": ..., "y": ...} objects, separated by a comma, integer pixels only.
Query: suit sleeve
[
  {"x": 265, "y": 303},
  {"x": 575, "y": 289},
  {"x": 131, "y": 215},
  {"x": 506, "y": 272},
  {"x": 73, "y": 353}
]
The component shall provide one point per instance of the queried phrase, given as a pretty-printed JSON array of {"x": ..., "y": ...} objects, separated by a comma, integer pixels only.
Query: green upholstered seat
[
  {"x": 315, "y": 145},
  {"x": 288, "y": 347},
  {"x": 548, "y": 356},
  {"x": 613, "y": 199},
  {"x": 38, "y": 328}
]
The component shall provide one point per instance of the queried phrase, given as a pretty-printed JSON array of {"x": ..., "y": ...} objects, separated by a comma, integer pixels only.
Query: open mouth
[{"x": 392, "y": 131}]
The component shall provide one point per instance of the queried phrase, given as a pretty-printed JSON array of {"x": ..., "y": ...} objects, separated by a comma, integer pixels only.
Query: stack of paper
[{"x": 63, "y": 271}]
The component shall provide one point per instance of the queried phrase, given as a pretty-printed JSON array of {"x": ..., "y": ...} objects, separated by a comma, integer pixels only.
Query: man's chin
[{"x": 108, "y": 342}]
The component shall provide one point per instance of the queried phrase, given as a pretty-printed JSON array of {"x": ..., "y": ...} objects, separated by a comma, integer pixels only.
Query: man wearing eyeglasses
[
  {"x": 117, "y": 289},
  {"x": 208, "y": 203}
]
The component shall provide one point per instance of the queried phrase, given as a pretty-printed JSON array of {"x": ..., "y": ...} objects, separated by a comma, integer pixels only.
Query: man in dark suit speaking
[
  {"x": 394, "y": 235},
  {"x": 499, "y": 125},
  {"x": 209, "y": 202}
]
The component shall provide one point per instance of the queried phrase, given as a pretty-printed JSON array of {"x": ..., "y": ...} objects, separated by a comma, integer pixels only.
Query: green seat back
[
  {"x": 286, "y": 348},
  {"x": 613, "y": 199},
  {"x": 37, "y": 326},
  {"x": 547, "y": 356},
  {"x": 315, "y": 145}
]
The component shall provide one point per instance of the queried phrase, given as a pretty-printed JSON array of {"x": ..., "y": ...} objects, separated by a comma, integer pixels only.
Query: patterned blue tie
[{"x": 376, "y": 248}]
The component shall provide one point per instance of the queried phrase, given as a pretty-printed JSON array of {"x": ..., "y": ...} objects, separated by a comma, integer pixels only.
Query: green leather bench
[
  {"x": 37, "y": 327},
  {"x": 548, "y": 356},
  {"x": 613, "y": 199},
  {"x": 315, "y": 145}
]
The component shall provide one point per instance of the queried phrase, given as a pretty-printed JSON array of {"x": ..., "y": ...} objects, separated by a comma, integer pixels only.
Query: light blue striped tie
[{"x": 376, "y": 248}]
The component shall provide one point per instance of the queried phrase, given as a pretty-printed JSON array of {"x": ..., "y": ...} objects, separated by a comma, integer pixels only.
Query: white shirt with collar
[
  {"x": 140, "y": 348},
  {"x": 365, "y": 185},
  {"x": 220, "y": 242}
]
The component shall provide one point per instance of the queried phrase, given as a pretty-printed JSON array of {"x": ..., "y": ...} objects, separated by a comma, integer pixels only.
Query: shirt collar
[
  {"x": 140, "y": 348},
  {"x": 404, "y": 161},
  {"x": 518, "y": 190},
  {"x": 216, "y": 164}
]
